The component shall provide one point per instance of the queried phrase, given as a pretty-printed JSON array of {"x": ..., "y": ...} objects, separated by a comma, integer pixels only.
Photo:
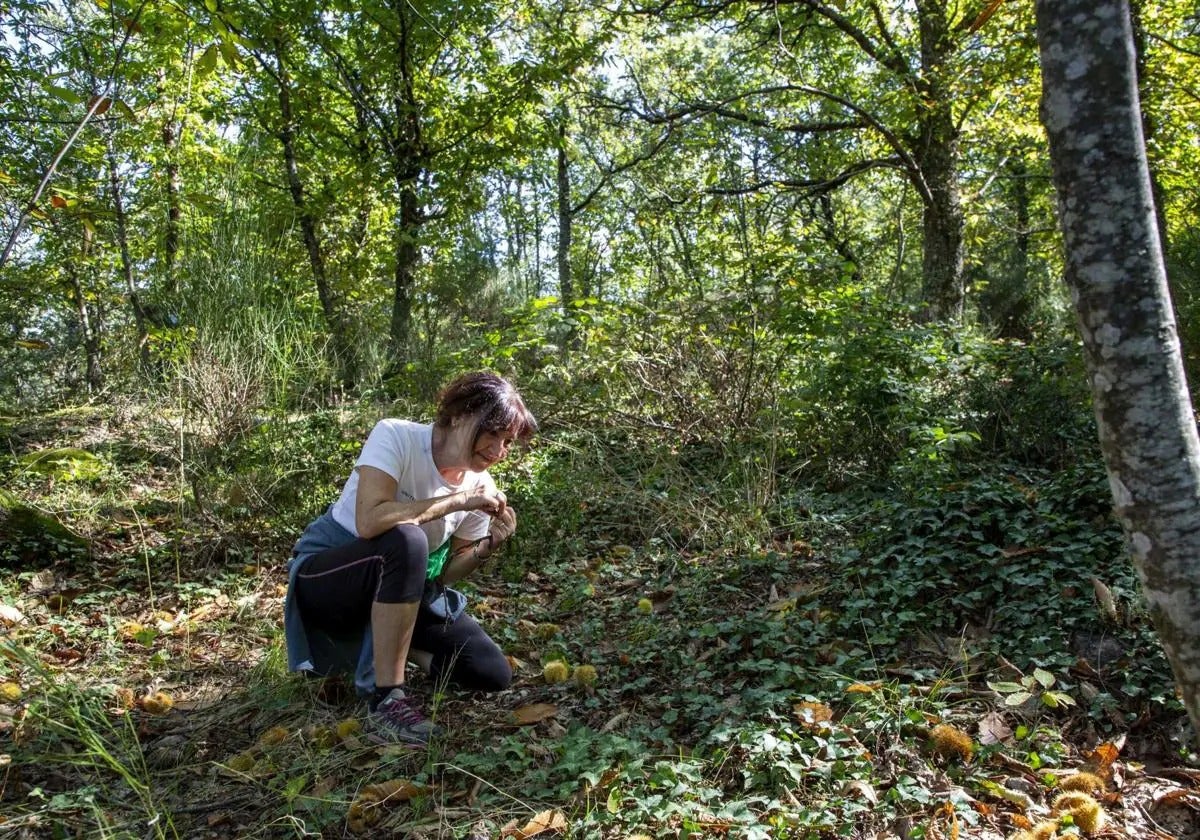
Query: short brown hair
[{"x": 492, "y": 399}]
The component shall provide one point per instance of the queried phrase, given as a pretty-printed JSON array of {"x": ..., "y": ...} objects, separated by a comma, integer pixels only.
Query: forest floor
[{"x": 145, "y": 691}]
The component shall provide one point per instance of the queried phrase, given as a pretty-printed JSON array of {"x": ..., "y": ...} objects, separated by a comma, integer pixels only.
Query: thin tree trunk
[
  {"x": 565, "y": 290},
  {"x": 362, "y": 217},
  {"x": 135, "y": 302},
  {"x": 407, "y": 259},
  {"x": 1006, "y": 302},
  {"x": 1115, "y": 269},
  {"x": 408, "y": 165},
  {"x": 828, "y": 225},
  {"x": 308, "y": 224},
  {"x": 88, "y": 330},
  {"x": 171, "y": 238},
  {"x": 1149, "y": 126},
  {"x": 937, "y": 157},
  {"x": 1015, "y": 323}
]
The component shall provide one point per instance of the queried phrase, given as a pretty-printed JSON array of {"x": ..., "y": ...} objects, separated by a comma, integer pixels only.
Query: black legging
[{"x": 336, "y": 588}]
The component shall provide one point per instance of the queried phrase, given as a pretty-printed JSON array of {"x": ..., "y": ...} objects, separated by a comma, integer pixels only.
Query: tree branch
[{"x": 809, "y": 186}]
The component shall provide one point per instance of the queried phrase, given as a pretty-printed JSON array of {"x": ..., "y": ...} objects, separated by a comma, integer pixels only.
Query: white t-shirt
[{"x": 404, "y": 450}]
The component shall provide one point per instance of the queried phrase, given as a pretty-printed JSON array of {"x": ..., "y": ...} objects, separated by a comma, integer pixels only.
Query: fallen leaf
[
  {"x": 10, "y": 615},
  {"x": 1016, "y": 797},
  {"x": 813, "y": 715},
  {"x": 615, "y": 721},
  {"x": 202, "y": 612},
  {"x": 42, "y": 581},
  {"x": 1100, "y": 760},
  {"x": 533, "y": 713},
  {"x": 1178, "y": 796},
  {"x": 394, "y": 790},
  {"x": 993, "y": 729},
  {"x": 1104, "y": 597},
  {"x": 862, "y": 688},
  {"x": 540, "y": 824},
  {"x": 1020, "y": 551},
  {"x": 861, "y": 789}
]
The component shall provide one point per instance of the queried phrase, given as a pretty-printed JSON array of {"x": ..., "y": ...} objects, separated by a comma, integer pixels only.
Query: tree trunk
[
  {"x": 170, "y": 138},
  {"x": 308, "y": 225},
  {"x": 1006, "y": 303},
  {"x": 88, "y": 331},
  {"x": 135, "y": 302},
  {"x": 565, "y": 290},
  {"x": 408, "y": 157},
  {"x": 1115, "y": 270},
  {"x": 937, "y": 158},
  {"x": 407, "y": 258},
  {"x": 1149, "y": 126}
]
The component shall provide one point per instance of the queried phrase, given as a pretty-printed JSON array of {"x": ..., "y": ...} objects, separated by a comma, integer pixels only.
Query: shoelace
[{"x": 402, "y": 712}]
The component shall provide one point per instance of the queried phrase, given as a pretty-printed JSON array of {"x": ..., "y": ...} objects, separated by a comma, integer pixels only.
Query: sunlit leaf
[
  {"x": 229, "y": 53},
  {"x": 65, "y": 94},
  {"x": 208, "y": 61}
]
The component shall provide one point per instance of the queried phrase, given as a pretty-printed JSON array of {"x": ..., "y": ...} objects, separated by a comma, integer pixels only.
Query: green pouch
[{"x": 437, "y": 560}]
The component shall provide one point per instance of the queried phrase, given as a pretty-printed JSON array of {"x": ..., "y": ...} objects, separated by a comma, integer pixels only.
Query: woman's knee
[
  {"x": 486, "y": 669},
  {"x": 405, "y": 553}
]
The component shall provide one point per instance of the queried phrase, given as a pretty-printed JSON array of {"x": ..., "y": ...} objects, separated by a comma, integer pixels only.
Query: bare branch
[
  {"x": 812, "y": 186},
  {"x": 1174, "y": 45}
]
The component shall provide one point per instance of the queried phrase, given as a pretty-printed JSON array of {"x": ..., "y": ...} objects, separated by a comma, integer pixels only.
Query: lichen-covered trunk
[{"x": 1118, "y": 281}]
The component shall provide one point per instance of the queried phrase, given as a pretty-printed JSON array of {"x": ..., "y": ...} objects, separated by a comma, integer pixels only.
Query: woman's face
[{"x": 491, "y": 448}]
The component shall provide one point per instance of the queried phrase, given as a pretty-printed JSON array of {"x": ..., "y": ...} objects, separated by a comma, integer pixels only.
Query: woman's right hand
[{"x": 483, "y": 498}]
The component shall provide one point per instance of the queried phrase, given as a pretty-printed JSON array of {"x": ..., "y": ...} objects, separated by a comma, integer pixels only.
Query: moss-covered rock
[{"x": 32, "y": 539}]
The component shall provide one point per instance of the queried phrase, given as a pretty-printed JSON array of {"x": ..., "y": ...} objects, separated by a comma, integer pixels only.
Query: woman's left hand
[{"x": 503, "y": 525}]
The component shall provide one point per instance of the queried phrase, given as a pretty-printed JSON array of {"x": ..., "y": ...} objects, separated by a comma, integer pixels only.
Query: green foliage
[
  {"x": 986, "y": 549},
  {"x": 65, "y": 464},
  {"x": 1037, "y": 686}
]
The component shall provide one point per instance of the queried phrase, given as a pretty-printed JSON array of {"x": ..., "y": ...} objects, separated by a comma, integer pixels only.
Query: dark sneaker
[{"x": 398, "y": 720}]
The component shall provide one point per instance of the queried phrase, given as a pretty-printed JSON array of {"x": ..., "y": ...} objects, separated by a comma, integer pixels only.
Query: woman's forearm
[
  {"x": 373, "y": 521},
  {"x": 467, "y": 559}
]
